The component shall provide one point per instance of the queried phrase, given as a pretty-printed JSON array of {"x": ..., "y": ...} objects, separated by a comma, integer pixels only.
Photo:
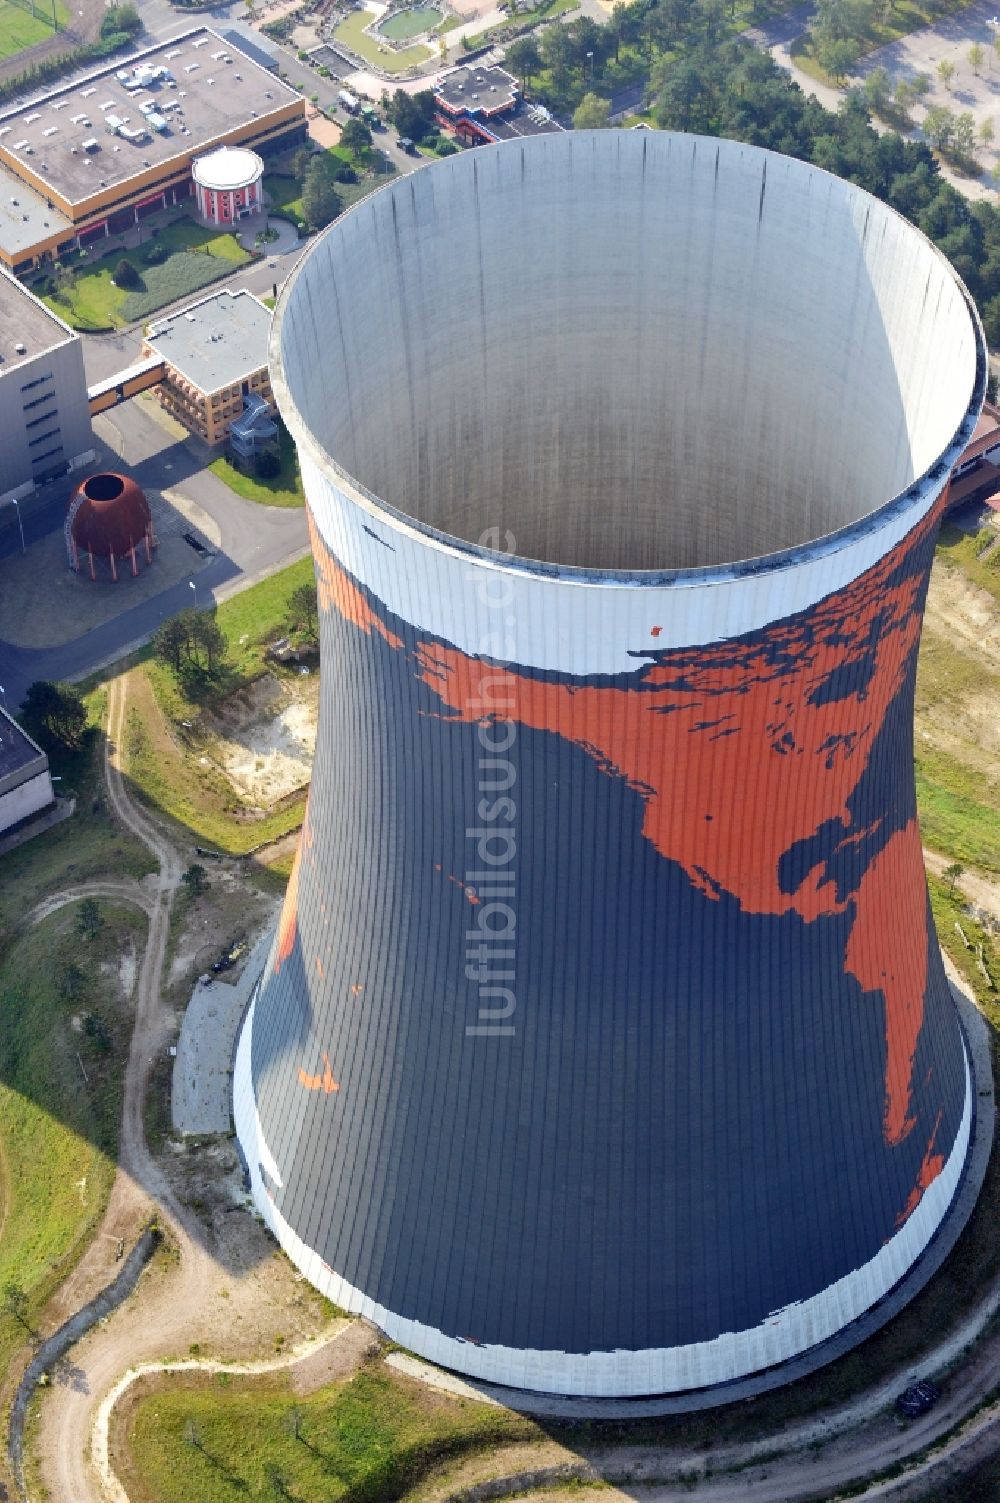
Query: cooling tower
[{"x": 604, "y": 1046}]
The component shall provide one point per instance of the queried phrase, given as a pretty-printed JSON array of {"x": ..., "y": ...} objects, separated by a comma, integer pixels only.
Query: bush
[
  {"x": 125, "y": 275},
  {"x": 267, "y": 465},
  {"x": 155, "y": 255},
  {"x": 345, "y": 174},
  {"x": 447, "y": 148}
]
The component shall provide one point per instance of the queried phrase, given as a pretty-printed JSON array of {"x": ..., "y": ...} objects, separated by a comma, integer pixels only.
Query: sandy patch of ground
[
  {"x": 967, "y": 615},
  {"x": 265, "y": 739},
  {"x": 324, "y": 132}
]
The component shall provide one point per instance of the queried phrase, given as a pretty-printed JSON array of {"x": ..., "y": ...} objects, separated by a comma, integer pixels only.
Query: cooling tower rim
[{"x": 915, "y": 498}]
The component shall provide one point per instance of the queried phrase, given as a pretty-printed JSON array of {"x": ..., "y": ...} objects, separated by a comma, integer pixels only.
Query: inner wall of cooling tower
[{"x": 643, "y": 350}]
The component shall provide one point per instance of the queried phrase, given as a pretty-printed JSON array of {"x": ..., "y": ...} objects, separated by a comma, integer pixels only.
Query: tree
[
  {"x": 300, "y": 162},
  {"x": 951, "y": 875},
  {"x": 195, "y": 879},
  {"x": 986, "y": 132},
  {"x": 946, "y": 72},
  {"x": 126, "y": 274},
  {"x": 278, "y": 1478},
  {"x": 877, "y": 90},
  {"x": 292, "y": 1422},
  {"x": 54, "y": 715},
  {"x": 963, "y": 135},
  {"x": 120, "y": 18},
  {"x": 208, "y": 642},
  {"x": 412, "y": 114},
  {"x": 904, "y": 97},
  {"x": 524, "y": 59},
  {"x": 170, "y": 642},
  {"x": 302, "y": 604},
  {"x": 837, "y": 28},
  {"x": 976, "y": 54},
  {"x": 320, "y": 199},
  {"x": 355, "y": 135},
  {"x": 88, "y": 920},
  {"x": 15, "y": 1304},
  {"x": 268, "y": 465},
  {"x": 939, "y": 126},
  {"x": 592, "y": 113},
  {"x": 190, "y": 640},
  {"x": 192, "y": 1434}
]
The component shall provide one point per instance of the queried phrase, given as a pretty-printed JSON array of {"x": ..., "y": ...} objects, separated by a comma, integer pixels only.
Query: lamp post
[
  {"x": 194, "y": 587},
  {"x": 20, "y": 524}
]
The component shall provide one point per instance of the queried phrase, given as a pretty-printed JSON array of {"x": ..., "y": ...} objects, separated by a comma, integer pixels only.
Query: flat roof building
[
  {"x": 44, "y": 406},
  {"x": 91, "y": 156},
  {"x": 483, "y": 104},
  {"x": 214, "y": 354},
  {"x": 25, "y": 782}
]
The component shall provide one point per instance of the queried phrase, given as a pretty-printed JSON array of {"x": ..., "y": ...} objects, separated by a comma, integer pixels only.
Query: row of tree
[{"x": 701, "y": 75}]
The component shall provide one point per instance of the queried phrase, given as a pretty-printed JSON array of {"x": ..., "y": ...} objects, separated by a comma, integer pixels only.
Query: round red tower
[{"x": 109, "y": 518}]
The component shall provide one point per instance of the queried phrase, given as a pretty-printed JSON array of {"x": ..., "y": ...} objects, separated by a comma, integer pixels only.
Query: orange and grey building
[
  {"x": 213, "y": 354},
  {"x": 94, "y": 157}
]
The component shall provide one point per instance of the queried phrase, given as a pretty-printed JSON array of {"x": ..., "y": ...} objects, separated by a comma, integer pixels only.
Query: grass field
[
  {"x": 366, "y": 1439},
  {"x": 352, "y": 32},
  {"x": 196, "y": 258},
  {"x": 25, "y": 25},
  {"x": 286, "y": 487},
  {"x": 89, "y": 844},
  {"x": 284, "y": 194},
  {"x": 164, "y": 760},
  {"x": 64, "y": 1035}
]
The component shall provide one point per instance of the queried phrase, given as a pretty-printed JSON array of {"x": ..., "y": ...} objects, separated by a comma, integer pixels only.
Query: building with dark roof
[
  {"x": 25, "y": 783},
  {"x": 93, "y": 157},
  {"x": 482, "y": 103},
  {"x": 44, "y": 408}
]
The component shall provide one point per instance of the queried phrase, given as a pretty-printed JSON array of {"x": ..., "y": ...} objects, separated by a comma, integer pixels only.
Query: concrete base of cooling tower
[{"x": 977, "y": 1040}]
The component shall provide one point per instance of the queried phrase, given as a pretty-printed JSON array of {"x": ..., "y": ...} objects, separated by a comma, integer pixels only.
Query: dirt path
[
  {"x": 982, "y": 891},
  {"x": 343, "y": 1350},
  {"x": 139, "y": 1187}
]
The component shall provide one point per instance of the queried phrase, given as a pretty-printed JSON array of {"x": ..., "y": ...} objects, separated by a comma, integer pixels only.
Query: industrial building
[
  {"x": 93, "y": 157},
  {"x": 25, "y": 782},
  {"x": 44, "y": 410},
  {"x": 214, "y": 355},
  {"x": 228, "y": 185},
  {"x": 604, "y": 1046},
  {"x": 482, "y": 103},
  {"x": 109, "y": 521}
]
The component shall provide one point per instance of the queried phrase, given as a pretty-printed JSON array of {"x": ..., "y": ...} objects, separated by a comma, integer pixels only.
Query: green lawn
[
  {"x": 90, "y": 844},
  {"x": 196, "y": 257},
  {"x": 964, "y": 549},
  {"x": 64, "y": 1037},
  {"x": 352, "y": 32},
  {"x": 284, "y": 194},
  {"x": 24, "y": 25},
  {"x": 165, "y": 759},
  {"x": 286, "y": 487},
  {"x": 366, "y": 1439}
]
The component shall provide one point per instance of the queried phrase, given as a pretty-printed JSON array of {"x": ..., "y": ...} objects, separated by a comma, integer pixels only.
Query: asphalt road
[{"x": 254, "y": 540}]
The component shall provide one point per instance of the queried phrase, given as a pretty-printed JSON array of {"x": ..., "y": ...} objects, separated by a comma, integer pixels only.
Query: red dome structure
[{"x": 109, "y": 518}]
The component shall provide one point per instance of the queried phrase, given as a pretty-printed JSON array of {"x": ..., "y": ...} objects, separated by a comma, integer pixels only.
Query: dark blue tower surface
[
  {"x": 604, "y": 1047},
  {"x": 611, "y": 1019}
]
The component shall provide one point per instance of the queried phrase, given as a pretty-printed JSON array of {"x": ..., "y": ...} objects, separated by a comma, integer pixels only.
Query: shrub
[{"x": 125, "y": 275}]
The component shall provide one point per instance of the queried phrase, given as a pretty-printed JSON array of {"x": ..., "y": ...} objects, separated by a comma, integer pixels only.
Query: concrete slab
[{"x": 201, "y": 1091}]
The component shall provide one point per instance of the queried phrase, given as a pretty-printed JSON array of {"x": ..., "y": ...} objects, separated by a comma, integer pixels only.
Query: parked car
[{"x": 918, "y": 1398}]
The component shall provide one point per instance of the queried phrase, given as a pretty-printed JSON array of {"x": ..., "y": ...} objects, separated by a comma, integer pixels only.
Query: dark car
[{"x": 918, "y": 1398}]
